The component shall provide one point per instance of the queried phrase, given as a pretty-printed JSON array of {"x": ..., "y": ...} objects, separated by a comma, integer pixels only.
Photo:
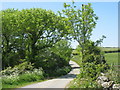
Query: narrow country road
[{"x": 60, "y": 82}]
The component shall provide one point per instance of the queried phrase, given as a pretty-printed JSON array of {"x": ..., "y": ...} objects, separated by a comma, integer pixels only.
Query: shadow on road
[
  {"x": 75, "y": 67},
  {"x": 67, "y": 76}
]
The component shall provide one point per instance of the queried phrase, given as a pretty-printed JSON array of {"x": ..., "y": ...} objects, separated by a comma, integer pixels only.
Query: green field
[
  {"x": 112, "y": 58},
  {"x": 109, "y": 48}
]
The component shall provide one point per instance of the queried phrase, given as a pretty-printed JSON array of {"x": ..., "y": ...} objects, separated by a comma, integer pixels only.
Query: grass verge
[{"x": 31, "y": 78}]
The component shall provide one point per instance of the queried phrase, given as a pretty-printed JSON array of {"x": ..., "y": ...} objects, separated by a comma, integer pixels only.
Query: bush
[
  {"x": 93, "y": 63},
  {"x": 113, "y": 73},
  {"x": 48, "y": 60},
  {"x": 91, "y": 70},
  {"x": 11, "y": 79},
  {"x": 18, "y": 69},
  {"x": 53, "y": 58},
  {"x": 35, "y": 75},
  {"x": 15, "y": 77},
  {"x": 58, "y": 72},
  {"x": 62, "y": 71},
  {"x": 63, "y": 49},
  {"x": 84, "y": 83}
]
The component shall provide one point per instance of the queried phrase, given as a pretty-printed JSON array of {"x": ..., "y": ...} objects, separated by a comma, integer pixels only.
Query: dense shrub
[
  {"x": 27, "y": 76},
  {"x": 114, "y": 73},
  {"x": 60, "y": 71},
  {"x": 18, "y": 69},
  {"x": 93, "y": 53},
  {"x": 84, "y": 83},
  {"x": 54, "y": 58},
  {"x": 63, "y": 49},
  {"x": 91, "y": 70},
  {"x": 35, "y": 75}
]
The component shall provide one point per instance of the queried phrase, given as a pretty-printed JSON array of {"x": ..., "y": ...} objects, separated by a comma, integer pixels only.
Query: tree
[
  {"x": 27, "y": 31},
  {"x": 41, "y": 29},
  {"x": 83, "y": 21},
  {"x": 9, "y": 34}
]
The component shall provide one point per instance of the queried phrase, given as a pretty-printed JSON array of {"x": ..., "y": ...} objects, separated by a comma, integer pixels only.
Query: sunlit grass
[
  {"x": 113, "y": 61},
  {"x": 21, "y": 84},
  {"x": 112, "y": 58}
]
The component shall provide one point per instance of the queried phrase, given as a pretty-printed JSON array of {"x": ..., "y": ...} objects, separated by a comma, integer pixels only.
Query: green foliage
[
  {"x": 62, "y": 71},
  {"x": 83, "y": 83},
  {"x": 23, "y": 72},
  {"x": 88, "y": 74},
  {"x": 93, "y": 63},
  {"x": 56, "y": 57},
  {"x": 26, "y": 32},
  {"x": 35, "y": 75},
  {"x": 16, "y": 77},
  {"x": 18, "y": 69},
  {"x": 113, "y": 73},
  {"x": 59, "y": 71},
  {"x": 92, "y": 70},
  {"x": 82, "y": 23},
  {"x": 9, "y": 33},
  {"x": 34, "y": 38},
  {"x": 63, "y": 49}
]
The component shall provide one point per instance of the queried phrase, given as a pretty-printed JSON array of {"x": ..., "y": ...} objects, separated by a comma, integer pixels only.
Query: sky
[{"x": 106, "y": 11}]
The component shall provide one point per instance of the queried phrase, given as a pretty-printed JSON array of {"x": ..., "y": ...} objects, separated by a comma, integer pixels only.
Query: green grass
[
  {"x": 21, "y": 80},
  {"x": 22, "y": 84},
  {"x": 112, "y": 58}
]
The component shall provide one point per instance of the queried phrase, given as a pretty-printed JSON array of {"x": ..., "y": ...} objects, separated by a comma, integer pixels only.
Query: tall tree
[
  {"x": 83, "y": 21},
  {"x": 41, "y": 28},
  {"x": 27, "y": 31}
]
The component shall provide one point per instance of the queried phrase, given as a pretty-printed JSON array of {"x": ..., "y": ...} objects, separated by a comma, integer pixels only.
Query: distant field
[
  {"x": 112, "y": 58},
  {"x": 104, "y": 49},
  {"x": 109, "y": 48}
]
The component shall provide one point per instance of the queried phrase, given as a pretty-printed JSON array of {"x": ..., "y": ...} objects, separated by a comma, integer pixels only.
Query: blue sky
[{"x": 106, "y": 11}]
